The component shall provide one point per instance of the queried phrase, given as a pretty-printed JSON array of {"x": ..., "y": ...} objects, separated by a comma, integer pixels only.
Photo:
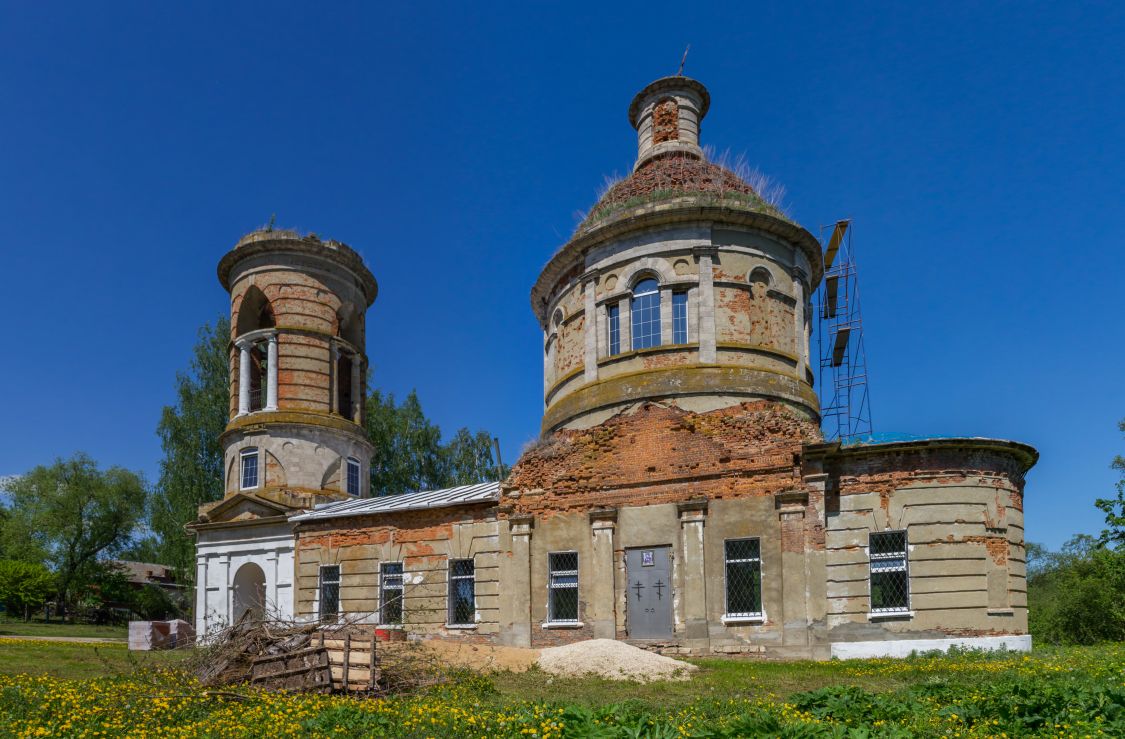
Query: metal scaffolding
[{"x": 845, "y": 406}]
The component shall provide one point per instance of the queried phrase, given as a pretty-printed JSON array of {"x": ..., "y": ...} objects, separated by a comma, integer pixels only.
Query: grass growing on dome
[{"x": 713, "y": 181}]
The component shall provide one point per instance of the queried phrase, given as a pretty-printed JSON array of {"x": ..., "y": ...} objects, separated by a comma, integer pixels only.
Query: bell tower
[{"x": 297, "y": 369}]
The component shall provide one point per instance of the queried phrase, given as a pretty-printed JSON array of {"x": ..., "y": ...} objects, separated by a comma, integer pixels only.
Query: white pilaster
[
  {"x": 271, "y": 583},
  {"x": 226, "y": 592},
  {"x": 201, "y": 595}
]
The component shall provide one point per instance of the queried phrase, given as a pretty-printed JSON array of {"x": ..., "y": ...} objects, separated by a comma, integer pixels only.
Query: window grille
[
  {"x": 390, "y": 593},
  {"x": 249, "y": 469},
  {"x": 890, "y": 576},
  {"x": 613, "y": 319},
  {"x": 679, "y": 318},
  {"x": 645, "y": 310},
  {"x": 462, "y": 592},
  {"x": 353, "y": 476},
  {"x": 744, "y": 577},
  {"x": 562, "y": 603},
  {"x": 329, "y": 592}
]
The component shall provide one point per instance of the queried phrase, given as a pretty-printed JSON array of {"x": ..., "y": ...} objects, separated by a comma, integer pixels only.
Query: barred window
[
  {"x": 329, "y": 592},
  {"x": 613, "y": 321},
  {"x": 249, "y": 461},
  {"x": 562, "y": 603},
  {"x": 645, "y": 309},
  {"x": 462, "y": 592},
  {"x": 890, "y": 577},
  {"x": 679, "y": 318},
  {"x": 390, "y": 593},
  {"x": 353, "y": 476},
  {"x": 744, "y": 577}
]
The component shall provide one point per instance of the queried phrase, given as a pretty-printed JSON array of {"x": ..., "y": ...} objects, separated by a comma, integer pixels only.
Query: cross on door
[
  {"x": 659, "y": 585},
  {"x": 638, "y": 587}
]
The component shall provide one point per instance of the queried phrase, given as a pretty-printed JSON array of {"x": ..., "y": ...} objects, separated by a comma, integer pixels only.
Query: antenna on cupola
[{"x": 683, "y": 61}]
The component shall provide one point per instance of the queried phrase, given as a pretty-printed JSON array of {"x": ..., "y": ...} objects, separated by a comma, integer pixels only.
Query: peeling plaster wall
[{"x": 424, "y": 541}]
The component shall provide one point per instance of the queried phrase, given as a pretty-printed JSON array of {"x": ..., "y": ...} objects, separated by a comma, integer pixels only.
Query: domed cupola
[{"x": 682, "y": 284}]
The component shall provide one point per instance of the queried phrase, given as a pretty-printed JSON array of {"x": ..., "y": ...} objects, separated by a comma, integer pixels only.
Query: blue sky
[{"x": 979, "y": 149}]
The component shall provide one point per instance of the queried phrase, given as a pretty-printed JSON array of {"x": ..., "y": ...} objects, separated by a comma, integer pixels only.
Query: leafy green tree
[
  {"x": 1114, "y": 508},
  {"x": 24, "y": 586},
  {"x": 191, "y": 472},
  {"x": 1077, "y": 596},
  {"x": 75, "y": 514},
  {"x": 468, "y": 459},
  {"x": 408, "y": 452}
]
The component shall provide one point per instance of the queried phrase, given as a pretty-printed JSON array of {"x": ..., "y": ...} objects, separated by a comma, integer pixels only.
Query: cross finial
[{"x": 683, "y": 61}]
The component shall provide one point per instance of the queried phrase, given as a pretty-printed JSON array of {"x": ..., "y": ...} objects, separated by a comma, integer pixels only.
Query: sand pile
[{"x": 614, "y": 660}]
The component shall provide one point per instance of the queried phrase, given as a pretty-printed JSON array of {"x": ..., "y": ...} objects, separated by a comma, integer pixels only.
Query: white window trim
[
  {"x": 358, "y": 477},
  {"x": 242, "y": 455},
  {"x": 449, "y": 624},
  {"x": 748, "y": 617},
  {"x": 552, "y": 622}
]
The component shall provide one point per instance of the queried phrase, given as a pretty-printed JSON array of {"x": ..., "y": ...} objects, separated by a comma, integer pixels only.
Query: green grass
[
  {"x": 77, "y": 659},
  {"x": 36, "y": 627},
  {"x": 717, "y": 678},
  {"x": 80, "y": 689}
]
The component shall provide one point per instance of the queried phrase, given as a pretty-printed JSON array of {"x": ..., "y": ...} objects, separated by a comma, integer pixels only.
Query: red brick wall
[{"x": 661, "y": 454}]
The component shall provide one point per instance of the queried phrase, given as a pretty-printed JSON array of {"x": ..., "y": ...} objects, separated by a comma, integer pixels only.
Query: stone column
[
  {"x": 802, "y": 348},
  {"x": 693, "y": 574},
  {"x": 693, "y": 316},
  {"x": 600, "y": 611},
  {"x": 243, "y": 378},
  {"x": 271, "y": 370},
  {"x": 357, "y": 401},
  {"x": 200, "y": 595},
  {"x": 515, "y": 601},
  {"x": 705, "y": 254},
  {"x": 590, "y": 324},
  {"x": 226, "y": 591},
  {"x": 665, "y": 315}
]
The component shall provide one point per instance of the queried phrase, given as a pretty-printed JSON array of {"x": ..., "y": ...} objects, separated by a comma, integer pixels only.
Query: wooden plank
[
  {"x": 834, "y": 243},
  {"x": 347, "y": 658}
]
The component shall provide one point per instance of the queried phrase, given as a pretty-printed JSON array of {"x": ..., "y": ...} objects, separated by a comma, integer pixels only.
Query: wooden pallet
[
  {"x": 303, "y": 670},
  {"x": 352, "y": 662}
]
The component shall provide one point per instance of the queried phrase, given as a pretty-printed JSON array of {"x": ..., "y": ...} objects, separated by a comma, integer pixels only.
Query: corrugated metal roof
[{"x": 480, "y": 493}]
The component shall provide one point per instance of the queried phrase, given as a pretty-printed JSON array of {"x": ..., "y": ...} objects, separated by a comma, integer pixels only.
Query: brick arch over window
[
  {"x": 254, "y": 312},
  {"x": 665, "y": 121}
]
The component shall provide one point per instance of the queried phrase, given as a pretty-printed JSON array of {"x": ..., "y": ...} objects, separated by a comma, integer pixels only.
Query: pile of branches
[{"x": 229, "y": 657}]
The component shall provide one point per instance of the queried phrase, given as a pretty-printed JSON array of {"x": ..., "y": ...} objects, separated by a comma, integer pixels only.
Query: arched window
[
  {"x": 353, "y": 476},
  {"x": 645, "y": 309},
  {"x": 248, "y": 470}
]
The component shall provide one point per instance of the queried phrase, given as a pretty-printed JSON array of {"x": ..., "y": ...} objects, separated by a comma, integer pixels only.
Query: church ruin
[{"x": 682, "y": 495}]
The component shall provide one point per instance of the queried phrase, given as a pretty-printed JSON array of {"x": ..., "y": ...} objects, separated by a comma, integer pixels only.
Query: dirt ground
[{"x": 481, "y": 657}]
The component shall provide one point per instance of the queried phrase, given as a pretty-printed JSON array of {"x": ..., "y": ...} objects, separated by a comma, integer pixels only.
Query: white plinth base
[{"x": 906, "y": 647}]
